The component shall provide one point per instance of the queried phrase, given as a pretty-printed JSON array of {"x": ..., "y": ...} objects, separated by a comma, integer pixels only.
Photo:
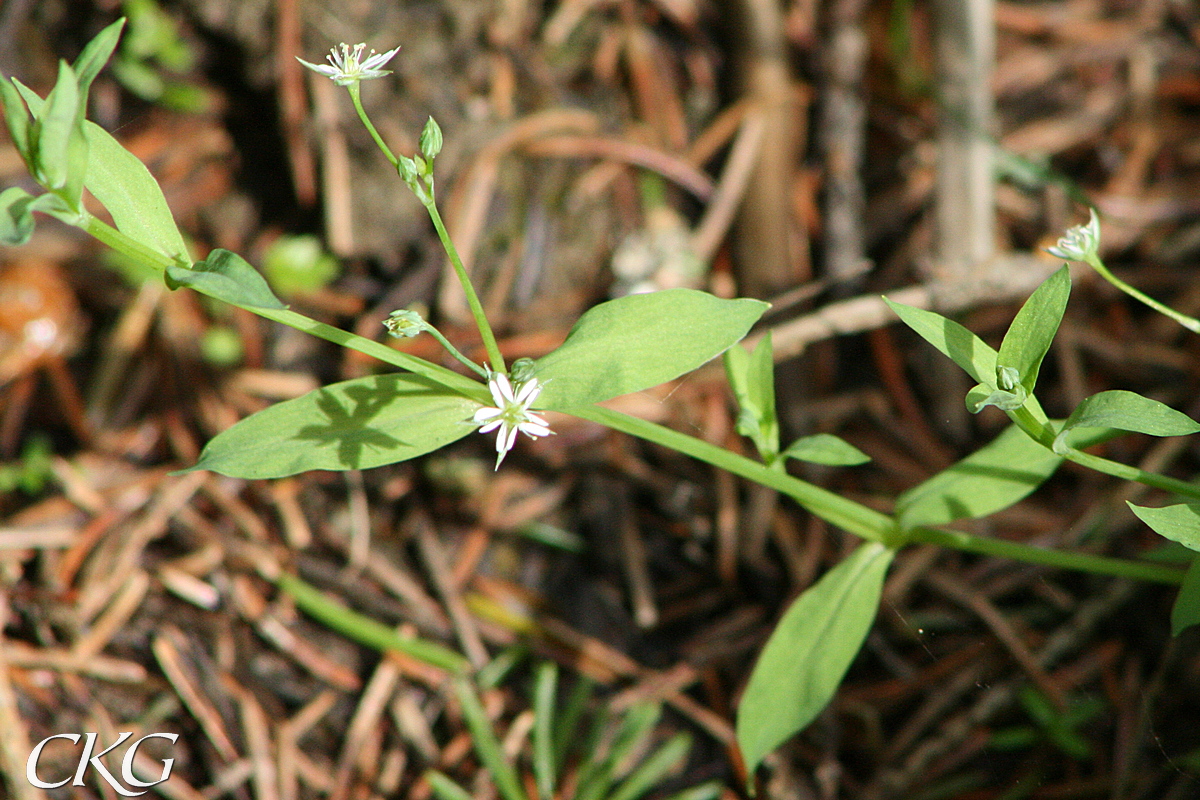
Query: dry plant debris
[{"x": 132, "y": 599}]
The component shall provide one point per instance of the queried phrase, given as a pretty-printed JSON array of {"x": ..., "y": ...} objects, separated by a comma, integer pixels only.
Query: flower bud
[
  {"x": 431, "y": 140},
  {"x": 405, "y": 324}
]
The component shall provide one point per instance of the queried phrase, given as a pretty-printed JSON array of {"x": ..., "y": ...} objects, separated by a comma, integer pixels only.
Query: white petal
[
  {"x": 528, "y": 392},
  {"x": 324, "y": 69},
  {"x": 485, "y": 413},
  {"x": 379, "y": 59},
  {"x": 491, "y": 426},
  {"x": 510, "y": 437},
  {"x": 501, "y": 389},
  {"x": 534, "y": 431}
]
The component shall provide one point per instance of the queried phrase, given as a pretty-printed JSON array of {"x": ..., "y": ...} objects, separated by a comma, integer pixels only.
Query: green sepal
[{"x": 228, "y": 277}]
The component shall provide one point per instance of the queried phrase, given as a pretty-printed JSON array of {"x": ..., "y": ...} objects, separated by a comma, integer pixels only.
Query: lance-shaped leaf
[
  {"x": 1033, "y": 328},
  {"x": 963, "y": 347},
  {"x": 16, "y": 117},
  {"x": 1186, "y": 611},
  {"x": 752, "y": 378},
  {"x": 16, "y": 215},
  {"x": 1125, "y": 411},
  {"x": 126, "y": 188},
  {"x": 355, "y": 424},
  {"x": 226, "y": 276},
  {"x": 992, "y": 478},
  {"x": 827, "y": 449},
  {"x": 810, "y": 651},
  {"x": 57, "y": 121},
  {"x": 636, "y": 342},
  {"x": 1179, "y": 523},
  {"x": 94, "y": 56}
]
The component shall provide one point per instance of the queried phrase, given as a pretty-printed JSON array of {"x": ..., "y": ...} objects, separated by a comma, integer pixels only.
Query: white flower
[
  {"x": 1079, "y": 243},
  {"x": 511, "y": 413},
  {"x": 346, "y": 65}
]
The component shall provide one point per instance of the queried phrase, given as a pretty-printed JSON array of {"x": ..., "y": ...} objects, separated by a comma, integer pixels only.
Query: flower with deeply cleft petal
[
  {"x": 347, "y": 66},
  {"x": 511, "y": 413}
]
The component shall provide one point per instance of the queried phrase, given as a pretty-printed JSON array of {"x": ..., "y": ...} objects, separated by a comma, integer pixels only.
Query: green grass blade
[
  {"x": 487, "y": 746},
  {"x": 445, "y": 788},
  {"x": 544, "y": 693},
  {"x": 663, "y": 761}
]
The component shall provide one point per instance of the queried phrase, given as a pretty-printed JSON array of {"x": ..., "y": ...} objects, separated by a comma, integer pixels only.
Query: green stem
[
  {"x": 452, "y": 350},
  {"x": 1190, "y": 323},
  {"x": 833, "y": 508},
  {"x": 1128, "y": 473},
  {"x": 485, "y": 329},
  {"x": 362, "y": 115},
  {"x": 1081, "y": 562},
  {"x": 448, "y": 378},
  {"x": 1041, "y": 432},
  {"x": 865, "y": 522},
  {"x": 1044, "y": 434}
]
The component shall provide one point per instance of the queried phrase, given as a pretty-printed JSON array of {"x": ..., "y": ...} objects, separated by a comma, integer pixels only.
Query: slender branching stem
[{"x": 485, "y": 328}]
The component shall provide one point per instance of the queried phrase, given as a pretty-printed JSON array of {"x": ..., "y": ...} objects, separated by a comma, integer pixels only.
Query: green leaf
[
  {"x": 57, "y": 121},
  {"x": 355, "y": 424},
  {"x": 1186, "y": 611},
  {"x": 605, "y": 767},
  {"x": 16, "y": 117},
  {"x": 662, "y": 761},
  {"x": 444, "y": 788},
  {"x": 752, "y": 378},
  {"x": 126, "y": 188},
  {"x": 1179, "y": 523},
  {"x": 980, "y": 396},
  {"x": 94, "y": 56},
  {"x": 1126, "y": 411},
  {"x": 809, "y": 652},
  {"x": 992, "y": 478},
  {"x": 16, "y": 218},
  {"x": 487, "y": 746},
  {"x": 16, "y": 213},
  {"x": 1033, "y": 328},
  {"x": 963, "y": 347},
  {"x": 636, "y": 342},
  {"x": 825, "y": 448},
  {"x": 225, "y": 276},
  {"x": 363, "y": 629},
  {"x": 544, "y": 695}
]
